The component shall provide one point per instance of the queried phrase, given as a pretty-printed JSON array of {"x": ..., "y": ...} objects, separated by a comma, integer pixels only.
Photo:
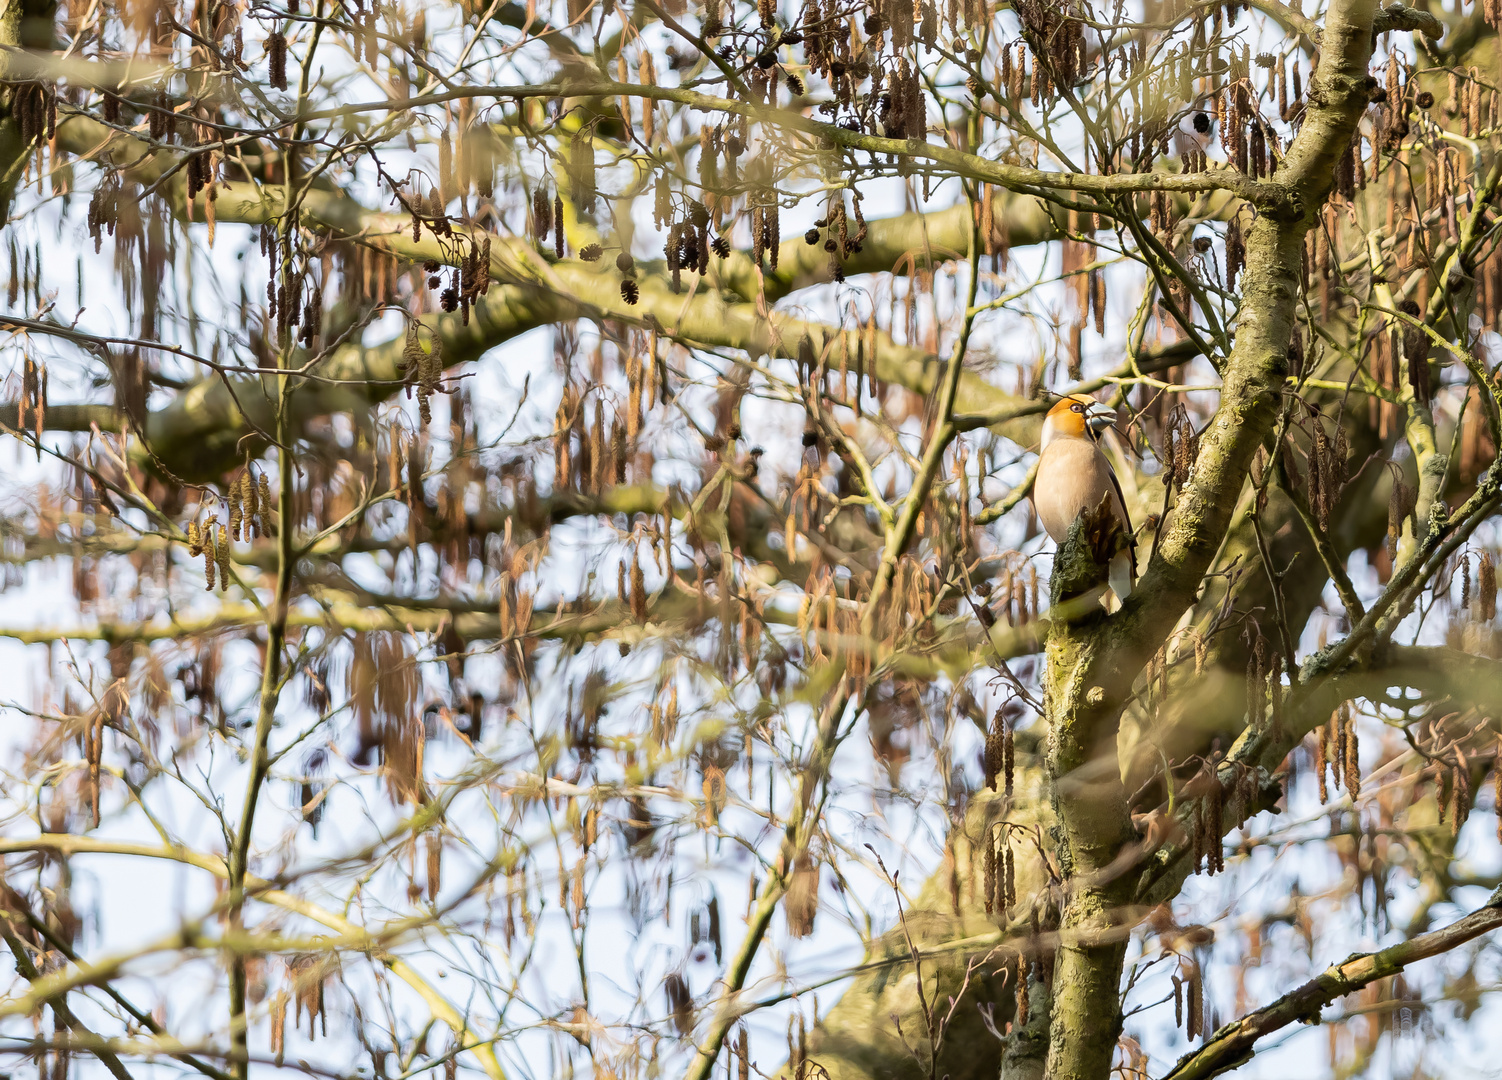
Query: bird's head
[{"x": 1077, "y": 416}]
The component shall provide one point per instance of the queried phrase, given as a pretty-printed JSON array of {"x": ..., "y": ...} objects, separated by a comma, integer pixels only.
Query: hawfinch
[{"x": 1074, "y": 476}]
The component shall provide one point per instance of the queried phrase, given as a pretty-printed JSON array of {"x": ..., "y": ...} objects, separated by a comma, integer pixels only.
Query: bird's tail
[{"x": 1120, "y": 575}]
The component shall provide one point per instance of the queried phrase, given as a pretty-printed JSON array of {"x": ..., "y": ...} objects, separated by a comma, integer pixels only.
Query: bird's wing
[{"x": 1126, "y": 515}]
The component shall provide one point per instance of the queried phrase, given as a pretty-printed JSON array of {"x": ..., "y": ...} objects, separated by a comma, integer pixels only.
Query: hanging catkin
[
  {"x": 210, "y": 555},
  {"x": 1486, "y": 587},
  {"x": 1350, "y": 752}
]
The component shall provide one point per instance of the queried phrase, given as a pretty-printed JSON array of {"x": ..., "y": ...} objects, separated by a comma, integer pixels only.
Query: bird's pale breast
[{"x": 1073, "y": 476}]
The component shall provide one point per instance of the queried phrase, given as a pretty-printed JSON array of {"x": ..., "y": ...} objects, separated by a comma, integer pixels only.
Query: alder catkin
[
  {"x": 236, "y": 511},
  {"x": 1196, "y": 1003},
  {"x": 993, "y": 752},
  {"x": 248, "y": 509},
  {"x": 276, "y": 59},
  {"x": 210, "y": 557},
  {"x": 988, "y": 883},
  {"x": 264, "y": 507},
  {"x": 222, "y": 553},
  {"x": 1321, "y": 760},
  {"x": 1486, "y": 587},
  {"x": 1007, "y": 759},
  {"x": 1497, "y": 788},
  {"x": 638, "y": 589},
  {"x": 1351, "y": 752},
  {"x": 1215, "y": 804},
  {"x": 1462, "y": 794},
  {"x": 435, "y": 866}
]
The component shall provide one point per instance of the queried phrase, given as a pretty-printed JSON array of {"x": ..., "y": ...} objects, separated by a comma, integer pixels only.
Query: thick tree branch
[
  {"x": 1092, "y": 666},
  {"x": 1234, "y": 1044}
]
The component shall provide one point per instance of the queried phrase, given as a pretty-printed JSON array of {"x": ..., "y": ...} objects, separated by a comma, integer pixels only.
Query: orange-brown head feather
[{"x": 1078, "y": 416}]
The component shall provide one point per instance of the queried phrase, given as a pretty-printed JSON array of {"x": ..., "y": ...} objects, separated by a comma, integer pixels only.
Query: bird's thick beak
[{"x": 1099, "y": 417}]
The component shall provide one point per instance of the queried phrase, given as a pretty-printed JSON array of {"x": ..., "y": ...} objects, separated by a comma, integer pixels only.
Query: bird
[{"x": 1074, "y": 476}]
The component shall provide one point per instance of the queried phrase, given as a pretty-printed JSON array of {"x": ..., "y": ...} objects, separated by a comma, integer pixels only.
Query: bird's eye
[{"x": 1077, "y": 407}]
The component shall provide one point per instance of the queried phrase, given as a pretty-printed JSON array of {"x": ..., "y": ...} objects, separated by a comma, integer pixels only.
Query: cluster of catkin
[
  {"x": 999, "y": 884},
  {"x": 421, "y": 370},
  {"x": 248, "y": 507},
  {"x": 1339, "y": 747}
]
